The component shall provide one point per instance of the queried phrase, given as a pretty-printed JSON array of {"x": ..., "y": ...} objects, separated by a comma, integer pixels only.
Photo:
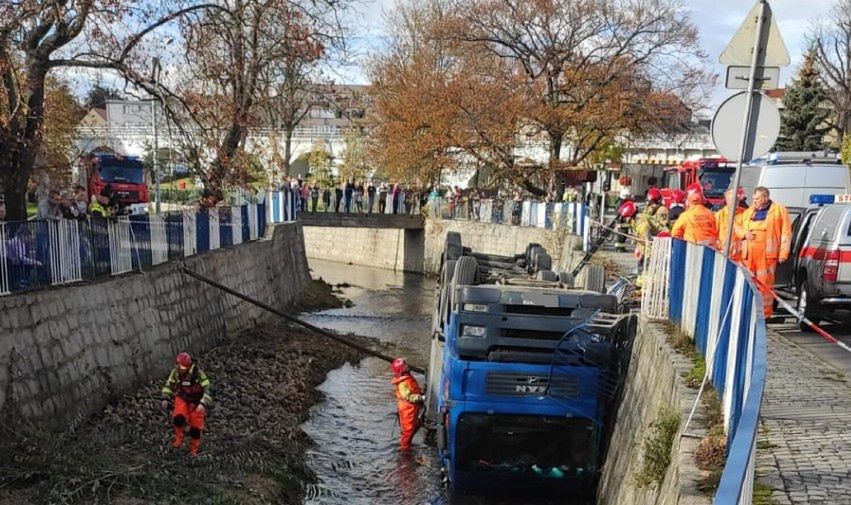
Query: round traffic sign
[{"x": 764, "y": 126}]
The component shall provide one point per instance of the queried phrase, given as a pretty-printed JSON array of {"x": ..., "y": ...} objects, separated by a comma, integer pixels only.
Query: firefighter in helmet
[
  {"x": 188, "y": 386},
  {"x": 655, "y": 205},
  {"x": 409, "y": 400},
  {"x": 643, "y": 226}
]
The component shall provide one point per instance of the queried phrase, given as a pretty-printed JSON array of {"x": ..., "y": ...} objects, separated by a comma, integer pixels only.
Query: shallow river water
[{"x": 355, "y": 454}]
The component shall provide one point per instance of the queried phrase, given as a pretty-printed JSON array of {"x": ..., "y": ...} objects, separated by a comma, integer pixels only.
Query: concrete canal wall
[
  {"x": 393, "y": 249},
  {"x": 65, "y": 351},
  {"x": 654, "y": 385}
]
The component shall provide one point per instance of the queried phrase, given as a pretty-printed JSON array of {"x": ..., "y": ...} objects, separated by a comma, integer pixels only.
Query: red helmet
[
  {"x": 184, "y": 360},
  {"x": 678, "y": 196},
  {"x": 663, "y": 234},
  {"x": 654, "y": 195},
  {"x": 399, "y": 366},
  {"x": 627, "y": 209},
  {"x": 695, "y": 187}
]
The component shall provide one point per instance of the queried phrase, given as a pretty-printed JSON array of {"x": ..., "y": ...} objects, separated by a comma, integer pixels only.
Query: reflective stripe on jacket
[
  {"x": 193, "y": 386},
  {"x": 777, "y": 228}
]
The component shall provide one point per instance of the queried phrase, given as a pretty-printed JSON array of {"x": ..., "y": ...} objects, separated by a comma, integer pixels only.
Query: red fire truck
[
  {"x": 125, "y": 174},
  {"x": 713, "y": 174}
]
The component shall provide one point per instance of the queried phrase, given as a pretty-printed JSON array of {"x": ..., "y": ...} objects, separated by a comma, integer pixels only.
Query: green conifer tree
[{"x": 802, "y": 125}]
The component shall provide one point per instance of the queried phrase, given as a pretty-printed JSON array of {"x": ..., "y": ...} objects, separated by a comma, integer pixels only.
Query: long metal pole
[
  {"x": 156, "y": 157},
  {"x": 743, "y": 146}
]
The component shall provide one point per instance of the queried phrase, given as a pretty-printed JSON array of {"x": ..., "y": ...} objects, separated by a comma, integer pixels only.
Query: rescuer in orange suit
[
  {"x": 408, "y": 400},
  {"x": 697, "y": 223},
  {"x": 722, "y": 217},
  {"x": 189, "y": 386},
  {"x": 766, "y": 231}
]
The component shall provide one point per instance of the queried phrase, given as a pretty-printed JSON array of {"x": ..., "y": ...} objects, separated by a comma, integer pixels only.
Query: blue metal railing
[
  {"x": 716, "y": 302},
  {"x": 41, "y": 253}
]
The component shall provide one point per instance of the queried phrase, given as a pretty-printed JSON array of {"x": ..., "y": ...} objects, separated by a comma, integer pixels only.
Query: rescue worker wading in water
[
  {"x": 189, "y": 386},
  {"x": 409, "y": 400}
]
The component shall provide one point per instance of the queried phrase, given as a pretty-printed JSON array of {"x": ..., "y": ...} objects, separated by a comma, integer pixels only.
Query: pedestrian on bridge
[
  {"x": 409, "y": 400},
  {"x": 767, "y": 234},
  {"x": 188, "y": 386},
  {"x": 697, "y": 223}
]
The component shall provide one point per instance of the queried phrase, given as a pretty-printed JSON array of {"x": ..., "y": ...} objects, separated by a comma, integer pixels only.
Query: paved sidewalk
[{"x": 804, "y": 449}]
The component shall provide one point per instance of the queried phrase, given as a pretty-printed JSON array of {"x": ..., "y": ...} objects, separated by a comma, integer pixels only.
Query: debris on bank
[
  {"x": 263, "y": 385},
  {"x": 319, "y": 295}
]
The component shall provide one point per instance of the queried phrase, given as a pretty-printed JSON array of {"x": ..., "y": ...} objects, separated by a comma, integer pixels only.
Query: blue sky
[{"x": 717, "y": 21}]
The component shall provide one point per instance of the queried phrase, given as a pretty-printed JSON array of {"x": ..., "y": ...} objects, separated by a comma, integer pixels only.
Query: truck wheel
[
  {"x": 566, "y": 278},
  {"x": 805, "y": 305},
  {"x": 528, "y": 254},
  {"x": 533, "y": 255},
  {"x": 546, "y": 275},
  {"x": 543, "y": 261},
  {"x": 466, "y": 274},
  {"x": 453, "y": 249},
  {"x": 595, "y": 279}
]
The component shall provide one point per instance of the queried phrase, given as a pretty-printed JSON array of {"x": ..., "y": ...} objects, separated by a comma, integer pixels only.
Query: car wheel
[
  {"x": 466, "y": 274},
  {"x": 546, "y": 275},
  {"x": 805, "y": 306}
]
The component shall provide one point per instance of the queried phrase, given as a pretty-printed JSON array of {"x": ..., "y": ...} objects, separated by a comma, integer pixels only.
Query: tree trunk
[
  {"x": 16, "y": 202},
  {"x": 555, "y": 157},
  {"x": 288, "y": 150}
]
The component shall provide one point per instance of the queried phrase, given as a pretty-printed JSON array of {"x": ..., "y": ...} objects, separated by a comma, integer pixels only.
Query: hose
[{"x": 302, "y": 323}]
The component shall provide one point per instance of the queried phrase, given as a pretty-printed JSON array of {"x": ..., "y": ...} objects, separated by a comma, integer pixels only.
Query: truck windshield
[
  {"x": 130, "y": 175},
  {"x": 524, "y": 444},
  {"x": 715, "y": 183}
]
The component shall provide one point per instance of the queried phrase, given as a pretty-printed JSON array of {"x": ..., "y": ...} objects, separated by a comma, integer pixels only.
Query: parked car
[
  {"x": 792, "y": 178},
  {"x": 819, "y": 270}
]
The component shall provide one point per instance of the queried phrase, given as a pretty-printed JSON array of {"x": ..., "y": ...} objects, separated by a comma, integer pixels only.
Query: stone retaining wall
[
  {"x": 654, "y": 382},
  {"x": 394, "y": 249},
  {"x": 65, "y": 351}
]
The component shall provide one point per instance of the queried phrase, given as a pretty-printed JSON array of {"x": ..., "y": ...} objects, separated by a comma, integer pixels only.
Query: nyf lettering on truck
[
  {"x": 125, "y": 174},
  {"x": 524, "y": 375}
]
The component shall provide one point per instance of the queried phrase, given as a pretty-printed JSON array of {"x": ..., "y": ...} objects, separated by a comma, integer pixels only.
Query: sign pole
[{"x": 746, "y": 142}]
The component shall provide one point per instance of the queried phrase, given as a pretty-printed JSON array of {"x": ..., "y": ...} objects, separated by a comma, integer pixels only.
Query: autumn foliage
[{"x": 470, "y": 82}]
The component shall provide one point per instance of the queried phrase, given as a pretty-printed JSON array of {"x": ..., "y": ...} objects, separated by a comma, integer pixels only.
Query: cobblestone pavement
[{"x": 804, "y": 448}]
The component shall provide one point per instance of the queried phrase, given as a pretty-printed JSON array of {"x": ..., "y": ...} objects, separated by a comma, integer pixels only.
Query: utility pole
[{"x": 156, "y": 74}]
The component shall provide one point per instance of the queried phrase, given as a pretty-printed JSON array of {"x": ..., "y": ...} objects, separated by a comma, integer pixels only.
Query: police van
[{"x": 819, "y": 270}]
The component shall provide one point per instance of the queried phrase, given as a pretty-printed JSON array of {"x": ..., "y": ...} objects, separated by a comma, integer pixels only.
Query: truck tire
[
  {"x": 528, "y": 254},
  {"x": 435, "y": 370},
  {"x": 445, "y": 287},
  {"x": 543, "y": 261},
  {"x": 453, "y": 248},
  {"x": 533, "y": 255},
  {"x": 546, "y": 275},
  {"x": 466, "y": 274},
  {"x": 595, "y": 279},
  {"x": 566, "y": 278}
]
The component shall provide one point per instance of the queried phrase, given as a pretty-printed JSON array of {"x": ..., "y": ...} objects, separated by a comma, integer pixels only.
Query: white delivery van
[{"x": 793, "y": 177}]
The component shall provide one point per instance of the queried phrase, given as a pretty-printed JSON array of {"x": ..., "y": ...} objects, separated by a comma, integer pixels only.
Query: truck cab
[
  {"x": 524, "y": 378},
  {"x": 125, "y": 174},
  {"x": 713, "y": 174}
]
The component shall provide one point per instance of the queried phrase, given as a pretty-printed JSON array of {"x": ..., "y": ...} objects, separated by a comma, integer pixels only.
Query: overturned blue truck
[{"x": 525, "y": 373}]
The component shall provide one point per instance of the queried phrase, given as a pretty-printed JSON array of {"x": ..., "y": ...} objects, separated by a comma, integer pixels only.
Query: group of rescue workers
[
  {"x": 762, "y": 231},
  {"x": 187, "y": 390}
]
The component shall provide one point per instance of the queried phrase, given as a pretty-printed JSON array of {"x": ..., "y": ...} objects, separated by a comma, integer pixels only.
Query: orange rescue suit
[
  {"x": 697, "y": 225},
  {"x": 722, "y": 217},
  {"x": 771, "y": 243},
  {"x": 408, "y": 400}
]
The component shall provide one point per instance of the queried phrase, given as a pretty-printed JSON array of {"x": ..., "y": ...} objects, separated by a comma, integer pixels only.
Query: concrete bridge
[{"x": 372, "y": 221}]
